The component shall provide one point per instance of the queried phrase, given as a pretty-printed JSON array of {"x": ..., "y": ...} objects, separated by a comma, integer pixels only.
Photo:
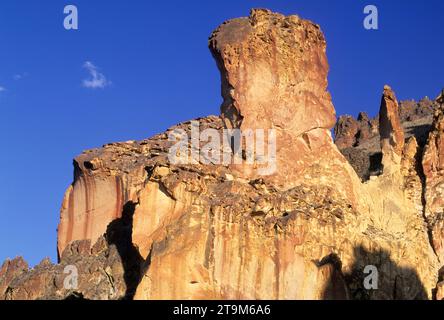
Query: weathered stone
[
  {"x": 204, "y": 230},
  {"x": 350, "y": 132},
  {"x": 274, "y": 76},
  {"x": 100, "y": 276},
  {"x": 440, "y": 98},
  {"x": 97, "y": 195},
  {"x": 274, "y": 71},
  {"x": 390, "y": 129},
  {"x": 346, "y": 132},
  {"x": 367, "y": 128},
  {"x": 433, "y": 166},
  {"x": 440, "y": 291},
  {"x": 10, "y": 270},
  {"x": 411, "y": 110}
]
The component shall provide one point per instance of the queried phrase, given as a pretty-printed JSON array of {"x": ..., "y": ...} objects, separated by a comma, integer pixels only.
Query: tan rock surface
[
  {"x": 100, "y": 190},
  {"x": 274, "y": 76},
  {"x": 241, "y": 240},
  {"x": 213, "y": 231},
  {"x": 390, "y": 130},
  {"x": 433, "y": 166}
]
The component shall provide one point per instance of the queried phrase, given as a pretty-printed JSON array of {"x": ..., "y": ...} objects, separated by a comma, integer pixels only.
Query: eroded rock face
[
  {"x": 433, "y": 165},
  {"x": 245, "y": 240},
  {"x": 287, "y": 56},
  {"x": 274, "y": 70},
  {"x": 390, "y": 129},
  {"x": 104, "y": 181},
  {"x": 346, "y": 132},
  {"x": 418, "y": 171},
  {"x": 351, "y": 132},
  {"x": 274, "y": 76},
  {"x": 10, "y": 270},
  {"x": 359, "y": 141},
  {"x": 411, "y": 110},
  {"x": 242, "y": 241},
  {"x": 101, "y": 275},
  {"x": 204, "y": 230}
]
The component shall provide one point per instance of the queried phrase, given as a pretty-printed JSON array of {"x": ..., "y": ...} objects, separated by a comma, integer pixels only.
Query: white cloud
[
  {"x": 2, "y": 89},
  {"x": 20, "y": 76},
  {"x": 97, "y": 80}
]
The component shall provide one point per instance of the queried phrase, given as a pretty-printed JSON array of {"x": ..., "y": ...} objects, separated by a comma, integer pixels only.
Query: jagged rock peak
[{"x": 390, "y": 128}]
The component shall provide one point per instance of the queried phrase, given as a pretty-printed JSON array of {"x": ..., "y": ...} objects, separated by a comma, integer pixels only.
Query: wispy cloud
[
  {"x": 2, "y": 89},
  {"x": 97, "y": 79},
  {"x": 20, "y": 76}
]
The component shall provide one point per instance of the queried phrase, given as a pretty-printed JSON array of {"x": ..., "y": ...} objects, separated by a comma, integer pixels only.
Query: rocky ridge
[
  {"x": 358, "y": 139},
  {"x": 136, "y": 225}
]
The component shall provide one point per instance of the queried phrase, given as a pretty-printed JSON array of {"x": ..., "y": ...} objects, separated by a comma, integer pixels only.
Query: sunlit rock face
[
  {"x": 100, "y": 190},
  {"x": 433, "y": 165},
  {"x": 206, "y": 230},
  {"x": 274, "y": 73},
  {"x": 274, "y": 76},
  {"x": 243, "y": 244},
  {"x": 390, "y": 130}
]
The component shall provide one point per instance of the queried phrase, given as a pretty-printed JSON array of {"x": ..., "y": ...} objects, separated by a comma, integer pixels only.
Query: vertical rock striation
[
  {"x": 433, "y": 166},
  {"x": 99, "y": 192}
]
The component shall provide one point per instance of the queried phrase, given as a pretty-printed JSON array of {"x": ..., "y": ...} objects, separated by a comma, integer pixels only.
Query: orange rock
[
  {"x": 274, "y": 76},
  {"x": 97, "y": 196},
  {"x": 346, "y": 131},
  {"x": 433, "y": 166},
  {"x": 390, "y": 128},
  {"x": 213, "y": 231}
]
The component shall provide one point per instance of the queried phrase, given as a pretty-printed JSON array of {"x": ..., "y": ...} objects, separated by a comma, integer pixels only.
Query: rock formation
[
  {"x": 274, "y": 76},
  {"x": 207, "y": 230},
  {"x": 433, "y": 166},
  {"x": 100, "y": 270},
  {"x": 410, "y": 110},
  {"x": 351, "y": 132},
  {"x": 359, "y": 141},
  {"x": 390, "y": 129},
  {"x": 102, "y": 186}
]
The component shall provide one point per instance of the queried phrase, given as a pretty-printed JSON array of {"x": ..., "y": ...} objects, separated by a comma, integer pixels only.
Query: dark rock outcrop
[
  {"x": 359, "y": 139},
  {"x": 84, "y": 272}
]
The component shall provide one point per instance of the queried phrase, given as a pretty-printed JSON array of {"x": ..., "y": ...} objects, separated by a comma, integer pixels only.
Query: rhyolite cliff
[{"x": 137, "y": 226}]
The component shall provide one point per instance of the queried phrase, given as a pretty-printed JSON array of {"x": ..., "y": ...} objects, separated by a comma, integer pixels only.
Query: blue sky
[{"x": 158, "y": 71}]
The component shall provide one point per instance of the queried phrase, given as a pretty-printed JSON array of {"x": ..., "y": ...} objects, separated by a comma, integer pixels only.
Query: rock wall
[
  {"x": 205, "y": 230},
  {"x": 433, "y": 166},
  {"x": 104, "y": 181},
  {"x": 100, "y": 270}
]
